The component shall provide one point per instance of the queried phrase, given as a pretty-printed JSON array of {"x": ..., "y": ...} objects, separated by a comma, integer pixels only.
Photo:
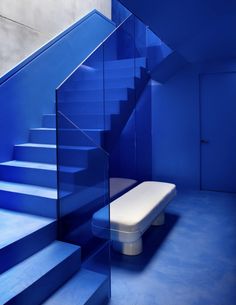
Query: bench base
[
  {"x": 160, "y": 220},
  {"x": 132, "y": 248}
]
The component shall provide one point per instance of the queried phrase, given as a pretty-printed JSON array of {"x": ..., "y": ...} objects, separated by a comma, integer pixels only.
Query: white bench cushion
[{"x": 133, "y": 213}]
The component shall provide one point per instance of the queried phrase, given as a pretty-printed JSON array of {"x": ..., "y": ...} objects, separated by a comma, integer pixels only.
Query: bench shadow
[{"x": 152, "y": 241}]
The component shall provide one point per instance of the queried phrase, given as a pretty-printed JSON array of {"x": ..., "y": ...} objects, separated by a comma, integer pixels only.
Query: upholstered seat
[{"x": 133, "y": 213}]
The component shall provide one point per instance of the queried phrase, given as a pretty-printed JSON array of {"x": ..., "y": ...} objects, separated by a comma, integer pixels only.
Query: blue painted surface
[
  {"x": 92, "y": 290},
  {"x": 34, "y": 279},
  {"x": 197, "y": 30},
  {"x": 176, "y": 124},
  {"x": 30, "y": 91},
  {"x": 190, "y": 260},
  {"x": 23, "y": 235},
  {"x": 175, "y": 131},
  {"x": 162, "y": 61},
  {"x": 30, "y": 199},
  {"x": 218, "y": 125},
  {"x": 169, "y": 66}
]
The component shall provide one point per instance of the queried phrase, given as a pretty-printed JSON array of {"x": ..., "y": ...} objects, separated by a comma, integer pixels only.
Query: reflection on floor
[{"x": 189, "y": 261}]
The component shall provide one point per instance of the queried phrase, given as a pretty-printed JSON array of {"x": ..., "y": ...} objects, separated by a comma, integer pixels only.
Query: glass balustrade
[{"x": 103, "y": 112}]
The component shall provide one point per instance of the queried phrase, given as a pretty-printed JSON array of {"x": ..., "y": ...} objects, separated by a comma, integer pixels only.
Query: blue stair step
[
  {"x": 109, "y": 74},
  {"x": 92, "y": 95},
  {"x": 42, "y": 135},
  {"x": 46, "y": 153},
  {"x": 80, "y": 200},
  {"x": 132, "y": 71},
  {"x": 86, "y": 287},
  {"x": 111, "y": 65},
  {"x": 41, "y": 174},
  {"x": 97, "y": 135},
  {"x": 23, "y": 234},
  {"x": 31, "y": 199},
  {"x": 93, "y": 121},
  {"x": 35, "y": 152},
  {"x": 85, "y": 121},
  {"x": 66, "y": 136},
  {"x": 36, "y": 278},
  {"x": 86, "y": 84},
  {"x": 98, "y": 108},
  {"x": 126, "y": 62}
]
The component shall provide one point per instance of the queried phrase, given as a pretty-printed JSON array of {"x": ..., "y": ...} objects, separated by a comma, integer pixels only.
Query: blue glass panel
[
  {"x": 119, "y": 98},
  {"x": 82, "y": 162}
]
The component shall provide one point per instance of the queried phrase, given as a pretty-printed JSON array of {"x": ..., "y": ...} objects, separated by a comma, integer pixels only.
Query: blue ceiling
[{"x": 199, "y": 30}]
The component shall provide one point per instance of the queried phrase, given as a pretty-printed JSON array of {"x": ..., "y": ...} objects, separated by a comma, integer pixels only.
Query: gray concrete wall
[{"x": 25, "y": 25}]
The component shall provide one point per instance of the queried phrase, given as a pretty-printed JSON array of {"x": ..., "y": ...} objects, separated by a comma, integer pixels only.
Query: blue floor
[{"x": 189, "y": 261}]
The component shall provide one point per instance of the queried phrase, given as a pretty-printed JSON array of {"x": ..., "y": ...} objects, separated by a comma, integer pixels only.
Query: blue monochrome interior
[{"x": 128, "y": 109}]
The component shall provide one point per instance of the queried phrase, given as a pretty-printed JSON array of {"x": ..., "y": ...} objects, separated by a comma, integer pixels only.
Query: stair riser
[
  {"x": 43, "y": 136},
  {"x": 34, "y": 176},
  {"x": 81, "y": 158},
  {"x": 96, "y": 136},
  {"x": 82, "y": 121},
  {"x": 27, "y": 246},
  {"x": 91, "y": 121},
  {"x": 84, "y": 84},
  {"x": 81, "y": 201},
  {"x": 87, "y": 108},
  {"x": 35, "y": 154},
  {"x": 51, "y": 281},
  {"x": 73, "y": 182},
  {"x": 125, "y": 63},
  {"x": 70, "y": 138},
  {"x": 101, "y": 296},
  {"x": 29, "y": 204},
  {"x": 109, "y": 75},
  {"x": 73, "y": 157},
  {"x": 93, "y": 95}
]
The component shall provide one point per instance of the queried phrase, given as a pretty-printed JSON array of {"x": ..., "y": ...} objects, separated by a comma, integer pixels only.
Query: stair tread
[
  {"x": 46, "y": 128},
  {"x": 137, "y": 61},
  {"x": 83, "y": 129},
  {"x": 14, "y": 226},
  {"x": 78, "y": 290},
  {"x": 126, "y": 59},
  {"x": 36, "y": 145},
  {"x": 27, "y": 189},
  {"x": 43, "y": 166},
  {"x": 54, "y": 129},
  {"x": 26, "y": 164},
  {"x": 53, "y": 146},
  {"x": 26, "y": 273}
]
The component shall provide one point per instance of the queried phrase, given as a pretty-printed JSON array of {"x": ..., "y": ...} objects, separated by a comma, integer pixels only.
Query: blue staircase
[
  {"x": 54, "y": 183},
  {"x": 33, "y": 264},
  {"x": 102, "y": 112},
  {"x": 28, "y": 192}
]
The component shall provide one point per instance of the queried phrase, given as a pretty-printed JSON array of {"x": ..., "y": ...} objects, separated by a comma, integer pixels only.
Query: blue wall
[
  {"x": 28, "y": 91},
  {"x": 176, "y": 125}
]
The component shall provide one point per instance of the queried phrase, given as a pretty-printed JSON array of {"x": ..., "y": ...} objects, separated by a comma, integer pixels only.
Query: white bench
[{"x": 132, "y": 214}]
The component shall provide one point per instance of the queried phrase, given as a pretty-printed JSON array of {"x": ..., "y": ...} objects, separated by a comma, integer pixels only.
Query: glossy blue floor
[{"x": 191, "y": 260}]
